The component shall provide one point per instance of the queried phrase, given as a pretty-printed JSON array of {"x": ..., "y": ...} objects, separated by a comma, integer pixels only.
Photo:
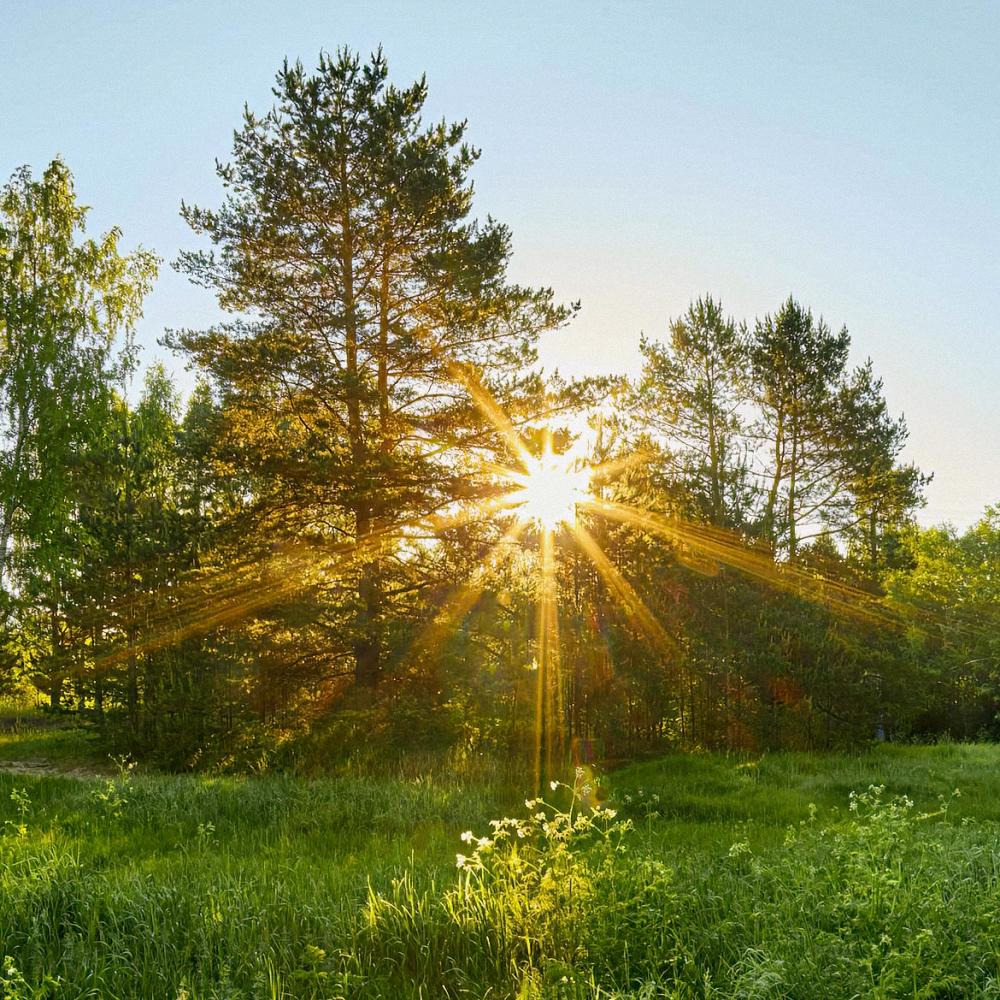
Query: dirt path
[
  {"x": 26, "y": 762},
  {"x": 39, "y": 766}
]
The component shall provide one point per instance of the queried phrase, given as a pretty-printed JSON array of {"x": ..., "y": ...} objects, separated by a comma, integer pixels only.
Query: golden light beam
[
  {"x": 705, "y": 546},
  {"x": 613, "y": 466},
  {"x": 715, "y": 545},
  {"x": 548, "y": 682},
  {"x": 231, "y": 596},
  {"x": 461, "y": 600},
  {"x": 205, "y": 604},
  {"x": 239, "y": 603},
  {"x": 439, "y": 523},
  {"x": 490, "y": 408},
  {"x": 625, "y": 592}
]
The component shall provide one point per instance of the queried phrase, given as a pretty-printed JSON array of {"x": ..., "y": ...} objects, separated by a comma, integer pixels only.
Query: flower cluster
[
  {"x": 642, "y": 798},
  {"x": 545, "y": 826}
]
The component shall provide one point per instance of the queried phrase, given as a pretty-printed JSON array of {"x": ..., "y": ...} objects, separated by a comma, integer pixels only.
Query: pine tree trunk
[{"x": 367, "y": 648}]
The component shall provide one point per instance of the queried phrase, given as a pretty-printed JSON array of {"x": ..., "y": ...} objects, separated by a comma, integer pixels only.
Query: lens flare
[{"x": 550, "y": 490}]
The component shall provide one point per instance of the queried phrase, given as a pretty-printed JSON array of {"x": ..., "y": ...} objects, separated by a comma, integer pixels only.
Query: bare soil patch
[{"x": 38, "y": 766}]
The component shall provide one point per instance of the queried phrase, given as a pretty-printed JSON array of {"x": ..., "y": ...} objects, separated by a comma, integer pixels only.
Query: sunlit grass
[
  {"x": 146, "y": 885},
  {"x": 70, "y": 746},
  {"x": 22, "y": 706}
]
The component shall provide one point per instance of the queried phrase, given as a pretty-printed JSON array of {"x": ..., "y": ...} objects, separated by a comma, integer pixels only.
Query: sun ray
[
  {"x": 713, "y": 545},
  {"x": 461, "y": 600},
  {"x": 438, "y": 524},
  {"x": 545, "y": 490},
  {"x": 548, "y": 698},
  {"x": 615, "y": 466},
  {"x": 466, "y": 375},
  {"x": 625, "y": 592},
  {"x": 194, "y": 614},
  {"x": 208, "y": 603}
]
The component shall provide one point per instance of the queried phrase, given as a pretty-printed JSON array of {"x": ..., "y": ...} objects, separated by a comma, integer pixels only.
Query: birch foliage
[{"x": 64, "y": 303}]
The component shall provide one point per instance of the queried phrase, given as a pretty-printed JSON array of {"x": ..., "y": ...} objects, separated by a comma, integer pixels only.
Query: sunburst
[
  {"x": 550, "y": 492},
  {"x": 551, "y": 489}
]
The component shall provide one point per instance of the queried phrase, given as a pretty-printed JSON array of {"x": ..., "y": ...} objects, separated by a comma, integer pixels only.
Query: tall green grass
[
  {"x": 717, "y": 878},
  {"x": 60, "y": 748}
]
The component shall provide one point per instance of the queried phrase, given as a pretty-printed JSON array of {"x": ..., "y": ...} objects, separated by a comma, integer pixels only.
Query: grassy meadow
[{"x": 716, "y": 877}]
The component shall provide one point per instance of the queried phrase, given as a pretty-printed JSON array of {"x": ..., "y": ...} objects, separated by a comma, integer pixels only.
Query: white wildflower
[
  {"x": 553, "y": 785},
  {"x": 467, "y": 837},
  {"x": 460, "y": 860}
]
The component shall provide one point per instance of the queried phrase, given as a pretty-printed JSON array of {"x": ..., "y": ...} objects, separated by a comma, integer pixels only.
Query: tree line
[{"x": 315, "y": 558}]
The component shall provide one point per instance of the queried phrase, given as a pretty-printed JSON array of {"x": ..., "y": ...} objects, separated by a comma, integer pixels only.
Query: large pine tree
[
  {"x": 365, "y": 303},
  {"x": 691, "y": 396}
]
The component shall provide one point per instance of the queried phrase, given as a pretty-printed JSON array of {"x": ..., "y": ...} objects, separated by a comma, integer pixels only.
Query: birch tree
[{"x": 64, "y": 301}]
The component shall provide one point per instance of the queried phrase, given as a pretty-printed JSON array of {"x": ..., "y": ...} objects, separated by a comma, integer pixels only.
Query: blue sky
[{"x": 643, "y": 153}]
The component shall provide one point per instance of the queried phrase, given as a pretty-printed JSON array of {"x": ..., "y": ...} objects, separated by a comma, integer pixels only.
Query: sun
[{"x": 550, "y": 489}]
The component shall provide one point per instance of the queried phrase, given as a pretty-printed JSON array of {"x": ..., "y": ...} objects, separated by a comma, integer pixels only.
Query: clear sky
[{"x": 643, "y": 154}]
